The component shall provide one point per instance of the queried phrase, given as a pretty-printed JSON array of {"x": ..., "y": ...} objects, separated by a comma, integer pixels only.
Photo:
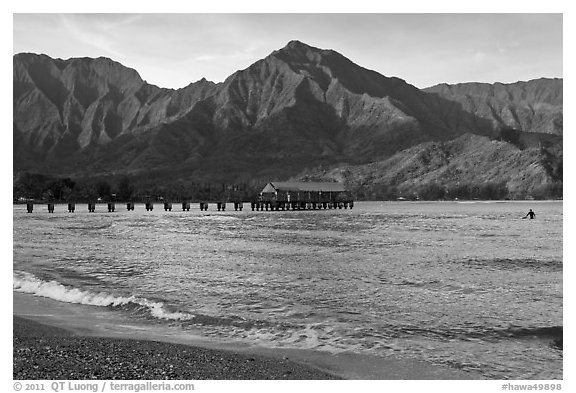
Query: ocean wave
[
  {"x": 217, "y": 217},
  {"x": 514, "y": 264},
  {"x": 389, "y": 333},
  {"x": 483, "y": 333},
  {"x": 554, "y": 332},
  {"x": 28, "y": 283},
  {"x": 88, "y": 227},
  {"x": 25, "y": 282}
]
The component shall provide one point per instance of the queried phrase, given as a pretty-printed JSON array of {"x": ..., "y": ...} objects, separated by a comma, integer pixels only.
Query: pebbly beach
[
  {"x": 56, "y": 340},
  {"x": 46, "y": 352}
]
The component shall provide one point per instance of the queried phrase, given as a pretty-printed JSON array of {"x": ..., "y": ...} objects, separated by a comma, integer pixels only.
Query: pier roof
[{"x": 295, "y": 186}]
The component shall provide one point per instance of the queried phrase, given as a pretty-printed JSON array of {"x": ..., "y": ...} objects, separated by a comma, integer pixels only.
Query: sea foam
[{"x": 28, "y": 283}]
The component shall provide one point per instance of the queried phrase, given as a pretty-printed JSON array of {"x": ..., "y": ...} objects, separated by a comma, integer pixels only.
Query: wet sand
[{"x": 54, "y": 340}]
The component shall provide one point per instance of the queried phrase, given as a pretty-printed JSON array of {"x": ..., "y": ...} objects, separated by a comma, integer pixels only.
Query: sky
[{"x": 173, "y": 50}]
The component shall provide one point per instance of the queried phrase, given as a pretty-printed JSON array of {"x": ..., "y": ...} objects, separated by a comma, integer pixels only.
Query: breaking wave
[{"x": 28, "y": 283}]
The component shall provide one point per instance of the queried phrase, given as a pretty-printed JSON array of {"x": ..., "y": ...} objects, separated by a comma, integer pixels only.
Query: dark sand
[{"x": 46, "y": 352}]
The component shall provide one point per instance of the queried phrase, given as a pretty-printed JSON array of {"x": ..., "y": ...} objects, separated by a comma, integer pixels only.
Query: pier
[
  {"x": 204, "y": 206},
  {"x": 303, "y": 196},
  {"x": 284, "y": 206},
  {"x": 275, "y": 196}
]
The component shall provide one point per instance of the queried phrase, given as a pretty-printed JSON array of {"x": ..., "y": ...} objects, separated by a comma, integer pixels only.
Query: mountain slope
[
  {"x": 300, "y": 107},
  {"x": 534, "y": 106},
  {"x": 467, "y": 160},
  {"x": 64, "y": 106}
]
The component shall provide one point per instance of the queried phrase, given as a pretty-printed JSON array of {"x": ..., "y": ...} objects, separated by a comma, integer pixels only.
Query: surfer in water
[{"x": 531, "y": 214}]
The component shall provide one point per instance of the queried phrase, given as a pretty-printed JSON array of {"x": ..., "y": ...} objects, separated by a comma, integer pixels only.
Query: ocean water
[{"x": 471, "y": 286}]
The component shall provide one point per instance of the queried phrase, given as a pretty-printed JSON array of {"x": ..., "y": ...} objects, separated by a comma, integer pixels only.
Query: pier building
[{"x": 303, "y": 195}]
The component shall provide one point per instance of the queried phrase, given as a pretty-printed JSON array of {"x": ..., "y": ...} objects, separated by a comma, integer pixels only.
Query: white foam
[
  {"x": 218, "y": 217},
  {"x": 28, "y": 283}
]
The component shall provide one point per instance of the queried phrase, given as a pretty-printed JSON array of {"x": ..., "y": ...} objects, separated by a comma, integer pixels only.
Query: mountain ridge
[
  {"x": 299, "y": 107},
  {"x": 511, "y": 103}
]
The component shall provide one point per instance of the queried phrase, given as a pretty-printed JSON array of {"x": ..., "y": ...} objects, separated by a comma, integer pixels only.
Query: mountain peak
[
  {"x": 298, "y": 51},
  {"x": 299, "y": 107},
  {"x": 295, "y": 44}
]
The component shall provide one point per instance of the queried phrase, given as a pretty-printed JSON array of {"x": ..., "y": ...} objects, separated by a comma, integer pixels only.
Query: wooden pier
[
  {"x": 275, "y": 196},
  {"x": 303, "y": 196},
  {"x": 204, "y": 206},
  {"x": 284, "y": 206}
]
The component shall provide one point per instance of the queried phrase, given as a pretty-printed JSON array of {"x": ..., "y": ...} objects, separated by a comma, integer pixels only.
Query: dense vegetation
[
  {"x": 39, "y": 187},
  {"x": 462, "y": 191},
  {"x": 48, "y": 188}
]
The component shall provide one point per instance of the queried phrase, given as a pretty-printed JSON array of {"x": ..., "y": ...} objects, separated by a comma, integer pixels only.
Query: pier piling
[
  {"x": 186, "y": 206},
  {"x": 130, "y": 206},
  {"x": 167, "y": 206},
  {"x": 71, "y": 207},
  {"x": 111, "y": 207},
  {"x": 149, "y": 206},
  {"x": 91, "y": 207},
  {"x": 29, "y": 207},
  {"x": 50, "y": 208}
]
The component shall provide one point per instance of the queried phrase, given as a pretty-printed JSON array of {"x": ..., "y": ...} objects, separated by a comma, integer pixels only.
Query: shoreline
[
  {"x": 67, "y": 331},
  {"x": 45, "y": 352}
]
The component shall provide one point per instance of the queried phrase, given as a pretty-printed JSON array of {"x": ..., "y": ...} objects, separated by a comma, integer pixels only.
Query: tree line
[
  {"x": 39, "y": 187},
  {"x": 461, "y": 191}
]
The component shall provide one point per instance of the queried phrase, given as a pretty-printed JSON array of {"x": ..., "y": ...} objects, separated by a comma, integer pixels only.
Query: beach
[
  {"x": 54, "y": 340},
  {"x": 46, "y": 352}
]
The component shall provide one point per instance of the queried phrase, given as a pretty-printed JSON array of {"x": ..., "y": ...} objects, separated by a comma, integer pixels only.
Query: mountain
[
  {"x": 300, "y": 107},
  {"x": 469, "y": 161},
  {"x": 534, "y": 106},
  {"x": 65, "y": 107}
]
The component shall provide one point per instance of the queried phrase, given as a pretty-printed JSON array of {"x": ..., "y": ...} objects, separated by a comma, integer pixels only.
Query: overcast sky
[{"x": 173, "y": 50}]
